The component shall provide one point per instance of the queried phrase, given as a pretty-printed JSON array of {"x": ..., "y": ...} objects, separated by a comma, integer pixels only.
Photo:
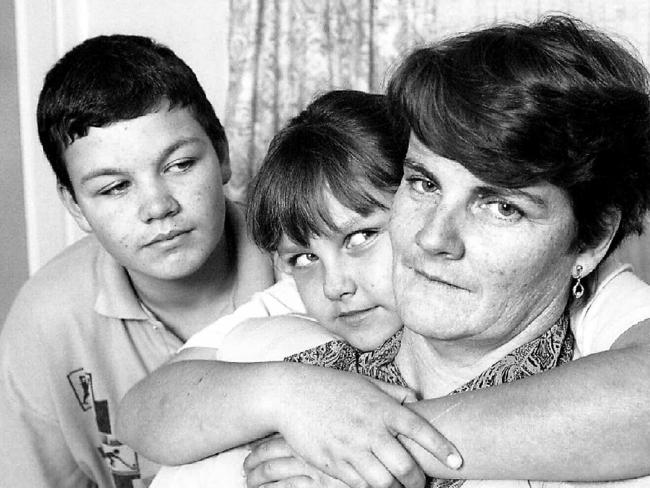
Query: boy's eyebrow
[{"x": 164, "y": 154}]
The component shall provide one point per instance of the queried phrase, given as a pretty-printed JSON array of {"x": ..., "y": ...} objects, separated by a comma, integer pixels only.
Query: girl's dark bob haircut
[{"x": 343, "y": 143}]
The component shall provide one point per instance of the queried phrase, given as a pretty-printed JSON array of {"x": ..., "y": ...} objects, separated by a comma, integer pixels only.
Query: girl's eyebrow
[{"x": 414, "y": 165}]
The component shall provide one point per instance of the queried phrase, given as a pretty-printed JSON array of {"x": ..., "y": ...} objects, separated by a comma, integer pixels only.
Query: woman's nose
[
  {"x": 158, "y": 203},
  {"x": 441, "y": 234},
  {"x": 338, "y": 284}
]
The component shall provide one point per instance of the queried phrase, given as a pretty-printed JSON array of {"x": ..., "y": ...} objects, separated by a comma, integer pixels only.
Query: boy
[{"x": 140, "y": 159}]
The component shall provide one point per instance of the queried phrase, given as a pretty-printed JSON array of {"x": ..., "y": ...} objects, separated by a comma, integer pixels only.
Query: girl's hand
[
  {"x": 347, "y": 427},
  {"x": 272, "y": 463}
]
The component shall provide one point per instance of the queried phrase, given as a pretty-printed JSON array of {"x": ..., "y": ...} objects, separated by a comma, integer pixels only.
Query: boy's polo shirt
[{"x": 74, "y": 342}]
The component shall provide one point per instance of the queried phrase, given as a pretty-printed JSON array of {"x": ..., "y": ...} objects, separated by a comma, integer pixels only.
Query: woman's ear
[
  {"x": 71, "y": 205},
  {"x": 591, "y": 257}
]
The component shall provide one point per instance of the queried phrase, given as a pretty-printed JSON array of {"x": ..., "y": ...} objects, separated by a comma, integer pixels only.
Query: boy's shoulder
[{"x": 66, "y": 285}]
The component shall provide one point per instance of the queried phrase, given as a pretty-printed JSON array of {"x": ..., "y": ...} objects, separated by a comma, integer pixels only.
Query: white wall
[{"x": 45, "y": 29}]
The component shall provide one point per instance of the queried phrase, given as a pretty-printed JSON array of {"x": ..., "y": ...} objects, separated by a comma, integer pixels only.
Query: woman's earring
[{"x": 578, "y": 289}]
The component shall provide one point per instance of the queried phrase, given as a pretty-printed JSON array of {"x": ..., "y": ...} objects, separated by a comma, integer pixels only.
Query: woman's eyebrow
[{"x": 499, "y": 191}]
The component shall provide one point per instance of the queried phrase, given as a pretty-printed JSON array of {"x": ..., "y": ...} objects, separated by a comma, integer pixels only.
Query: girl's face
[{"x": 344, "y": 277}]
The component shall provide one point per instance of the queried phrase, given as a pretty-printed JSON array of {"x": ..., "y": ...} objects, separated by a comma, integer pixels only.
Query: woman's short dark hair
[
  {"x": 107, "y": 79},
  {"x": 344, "y": 142},
  {"x": 553, "y": 101}
]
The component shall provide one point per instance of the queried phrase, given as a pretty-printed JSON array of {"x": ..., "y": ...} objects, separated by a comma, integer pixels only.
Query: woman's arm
[
  {"x": 204, "y": 407},
  {"x": 587, "y": 420}
]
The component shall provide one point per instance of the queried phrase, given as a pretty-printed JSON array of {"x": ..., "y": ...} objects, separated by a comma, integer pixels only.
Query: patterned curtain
[{"x": 285, "y": 52}]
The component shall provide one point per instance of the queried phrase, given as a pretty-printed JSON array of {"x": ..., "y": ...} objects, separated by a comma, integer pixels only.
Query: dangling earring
[{"x": 578, "y": 290}]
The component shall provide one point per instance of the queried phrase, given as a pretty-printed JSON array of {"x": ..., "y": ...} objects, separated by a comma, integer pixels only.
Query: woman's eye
[
  {"x": 115, "y": 188},
  {"x": 361, "y": 237},
  {"x": 504, "y": 210},
  {"x": 303, "y": 260},
  {"x": 180, "y": 166}
]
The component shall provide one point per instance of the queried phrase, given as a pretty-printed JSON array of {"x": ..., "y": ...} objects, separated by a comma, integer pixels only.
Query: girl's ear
[
  {"x": 73, "y": 208},
  {"x": 591, "y": 257}
]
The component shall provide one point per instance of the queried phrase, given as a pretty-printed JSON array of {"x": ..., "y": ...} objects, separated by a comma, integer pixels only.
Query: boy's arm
[{"x": 33, "y": 449}]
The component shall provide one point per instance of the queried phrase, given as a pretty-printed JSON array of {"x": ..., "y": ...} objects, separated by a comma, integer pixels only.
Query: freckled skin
[
  {"x": 463, "y": 273},
  {"x": 160, "y": 192}
]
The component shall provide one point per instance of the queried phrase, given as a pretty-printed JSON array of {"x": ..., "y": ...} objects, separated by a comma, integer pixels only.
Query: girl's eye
[
  {"x": 180, "y": 166},
  {"x": 115, "y": 188},
  {"x": 361, "y": 237},
  {"x": 422, "y": 185},
  {"x": 302, "y": 260}
]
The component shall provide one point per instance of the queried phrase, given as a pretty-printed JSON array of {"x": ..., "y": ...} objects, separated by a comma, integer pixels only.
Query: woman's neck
[{"x": 435, "y": 367}]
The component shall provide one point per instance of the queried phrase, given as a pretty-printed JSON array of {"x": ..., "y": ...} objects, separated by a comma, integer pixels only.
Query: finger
[
  {"x": 374, "y": 472},
  {"x": 345, "y": 473},
  {"x": 297, "y": 482},
  {"x": 275, "y": 447},
  {"x": 423, "y": 433},
  {"x": 399, "y": 463},
  {"x": 277, "y": 470},
  {"x": 399, "y": 393}
]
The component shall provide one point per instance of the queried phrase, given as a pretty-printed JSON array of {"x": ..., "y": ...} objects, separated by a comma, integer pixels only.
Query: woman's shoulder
[{"x": 619, "y": 301}]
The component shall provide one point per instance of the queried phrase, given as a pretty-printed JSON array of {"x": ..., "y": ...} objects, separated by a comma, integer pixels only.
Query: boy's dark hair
[
  {"x": 107, "y": 79},
  {"x": 553, "y": 101},
  {"x": 344, "y": 142}
]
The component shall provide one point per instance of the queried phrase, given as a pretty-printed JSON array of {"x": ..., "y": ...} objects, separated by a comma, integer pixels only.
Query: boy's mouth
[{"x": 166, "y": 236}]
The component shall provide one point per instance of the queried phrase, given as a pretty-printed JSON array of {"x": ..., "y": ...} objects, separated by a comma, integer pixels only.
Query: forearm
[
  {"x": 187, "y": 410},
  {"x": 587, "y": 420}
]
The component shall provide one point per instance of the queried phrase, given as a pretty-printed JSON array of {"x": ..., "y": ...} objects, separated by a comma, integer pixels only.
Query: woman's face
[
  {"x": 474, "y": 262},
  {"x": 344, "y": 277}
]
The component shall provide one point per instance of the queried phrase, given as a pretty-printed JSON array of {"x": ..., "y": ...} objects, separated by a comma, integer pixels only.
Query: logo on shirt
[{"x": 82, "y": 384}]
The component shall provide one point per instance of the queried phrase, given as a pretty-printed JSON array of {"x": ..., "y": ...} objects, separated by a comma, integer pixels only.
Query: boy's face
[
  {"x": 344, "y": 278},
  {"x": 151, "y": 191}
]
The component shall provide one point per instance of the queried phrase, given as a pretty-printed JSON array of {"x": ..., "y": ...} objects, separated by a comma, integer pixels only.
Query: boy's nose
[{"x": 158, "y": 204}]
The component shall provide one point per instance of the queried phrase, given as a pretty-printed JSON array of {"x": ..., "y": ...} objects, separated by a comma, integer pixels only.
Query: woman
[{"x": 528, "y": 164}]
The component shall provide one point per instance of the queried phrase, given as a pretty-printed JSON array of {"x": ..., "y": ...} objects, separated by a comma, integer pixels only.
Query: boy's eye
[
  {"x": 180, "y": 166},
  {"x": 360, "y": 237},
  {"x": 115, "y": 188}
]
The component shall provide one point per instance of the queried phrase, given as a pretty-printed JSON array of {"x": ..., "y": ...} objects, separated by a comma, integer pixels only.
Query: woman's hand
[{"x": 347, "y": 427}]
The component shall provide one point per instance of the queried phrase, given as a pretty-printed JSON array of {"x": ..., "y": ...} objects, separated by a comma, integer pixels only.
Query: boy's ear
[
  {"x": 590, "y": 258},
  {"x": 73, "y": 208},
  {"x": 226, "y": 171}
]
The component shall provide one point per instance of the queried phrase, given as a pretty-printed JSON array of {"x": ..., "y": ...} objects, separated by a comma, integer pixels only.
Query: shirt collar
[{"x": 115, "y": 294}]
